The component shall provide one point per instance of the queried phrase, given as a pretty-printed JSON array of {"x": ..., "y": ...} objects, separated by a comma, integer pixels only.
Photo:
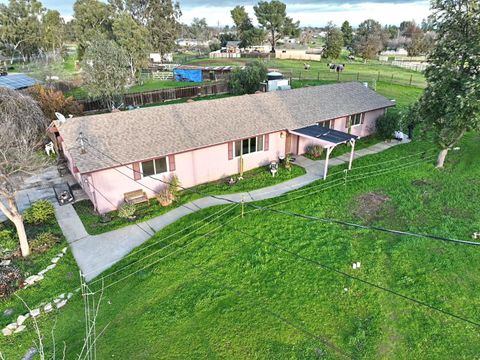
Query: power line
[
  {"x": 169, "y": 254},
  {"x": 161, "y": 240},
  {"x": 313, "y": 218},
  {"x": 166, "y": 246},
  {"x": 281, "y": 318},
  {"x": 367, "y": 282}
]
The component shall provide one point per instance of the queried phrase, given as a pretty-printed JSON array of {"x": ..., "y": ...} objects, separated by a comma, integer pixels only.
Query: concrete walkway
[{"x": 96, "y": 253}]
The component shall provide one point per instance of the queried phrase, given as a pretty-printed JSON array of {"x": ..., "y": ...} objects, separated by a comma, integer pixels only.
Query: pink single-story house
[{"x": 115, "y": 153}]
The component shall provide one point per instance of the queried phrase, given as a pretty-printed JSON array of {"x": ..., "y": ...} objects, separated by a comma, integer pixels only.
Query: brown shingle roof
[{"x": 141, "y": 134}]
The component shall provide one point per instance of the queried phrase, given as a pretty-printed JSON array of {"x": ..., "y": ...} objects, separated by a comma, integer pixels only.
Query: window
[
  {"x": 250, "y": 145},
  {"x": 153, "y": 167},
  {"x": 356, "y": 119},
  {"x": 327, "y": 124}
]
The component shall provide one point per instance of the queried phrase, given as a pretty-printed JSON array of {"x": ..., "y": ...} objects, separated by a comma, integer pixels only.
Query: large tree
[
  {"x": 160, "y": 17},
  {"x": 450, "y": 105},
  {"x": 20, "y": 28},
  {"x": 23, "y": 132},
  {"x": 53, "y": 30},
  {"x": 91, "y": 18},
  {"x": 272, "y": 16},
  {"x": 333, "y": 42},
  {"x": 347, "y": 32},
  {"x": 133, "y": 38},
  {"x": 105, "y": 71},
  {"x": 247, "y": 33},
  {"x": 369, "y": 39}
]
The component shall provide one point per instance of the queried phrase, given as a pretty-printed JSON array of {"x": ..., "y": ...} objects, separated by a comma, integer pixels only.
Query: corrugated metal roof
[{"x": 130, "y": 136}]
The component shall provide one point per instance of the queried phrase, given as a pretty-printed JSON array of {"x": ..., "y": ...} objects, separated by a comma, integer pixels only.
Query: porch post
[
  {"x": 325, "y": 170},
  {"x": 352, "y": 142}
]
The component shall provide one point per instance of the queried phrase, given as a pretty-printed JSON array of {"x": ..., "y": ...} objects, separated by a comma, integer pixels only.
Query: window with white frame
[
  {"x": 154, "y": 167},
  {"x": 250, "y": 145},
  {"x": 355, "y": 119},
  {"x": 328, "y": 124}
]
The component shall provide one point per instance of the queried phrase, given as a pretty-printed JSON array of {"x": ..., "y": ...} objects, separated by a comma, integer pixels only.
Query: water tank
[{"x": 274, "y": 75}]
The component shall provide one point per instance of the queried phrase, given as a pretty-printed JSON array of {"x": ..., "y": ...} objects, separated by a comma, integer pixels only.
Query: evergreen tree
[
  {"x": 347, "y": 32},
  {"x": 333, "y": 42}
]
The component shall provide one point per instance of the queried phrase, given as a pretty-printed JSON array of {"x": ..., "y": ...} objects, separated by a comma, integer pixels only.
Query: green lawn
[
  {"x": 230, "y": 294},
  {"x": 147, "y": 85},
  {"x": 372, "y": 71},
  {"x": 253, "y": 179},
  {"x": 155, "y": 84}
]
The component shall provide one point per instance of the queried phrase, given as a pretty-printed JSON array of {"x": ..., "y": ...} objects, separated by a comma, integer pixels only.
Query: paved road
[{"x": 96, "y": 253}]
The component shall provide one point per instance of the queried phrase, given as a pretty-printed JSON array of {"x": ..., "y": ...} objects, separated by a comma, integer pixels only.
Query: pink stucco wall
[
  {"x": 192, "y": 168},
  {"x": 362, "y": 130},
  {"x": 198, "y": 166}
]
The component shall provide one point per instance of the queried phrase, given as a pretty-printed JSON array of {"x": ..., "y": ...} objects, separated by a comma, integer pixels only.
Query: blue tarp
[{"x": 192, "y": 75}]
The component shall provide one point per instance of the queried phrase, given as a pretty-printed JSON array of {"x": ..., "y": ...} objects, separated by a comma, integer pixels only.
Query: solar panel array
[{"x": 17, "y": 81}]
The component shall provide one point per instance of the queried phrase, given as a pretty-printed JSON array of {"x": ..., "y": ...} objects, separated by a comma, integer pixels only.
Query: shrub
[
  {"x": 41, "y": 212},
  {"x": 387, "y": 124},
  {"x": 248, "y": 79},
  {"x": 165, "y": 197},
  {"x": 8, "y": 243},
  {"x": 127, "y": 211},
  {"x": 175, "y": 187},
  {"x": 44, "y": 241},
  {"x": 288, "y": 162},
  {"x": 314, "y": 151}
]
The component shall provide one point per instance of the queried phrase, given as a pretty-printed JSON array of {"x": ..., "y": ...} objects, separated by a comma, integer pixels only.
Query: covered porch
[{"x": 328, "y": 139}]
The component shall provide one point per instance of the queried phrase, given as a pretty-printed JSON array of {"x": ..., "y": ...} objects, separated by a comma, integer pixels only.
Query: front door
[{"x": 291, "y": 144}]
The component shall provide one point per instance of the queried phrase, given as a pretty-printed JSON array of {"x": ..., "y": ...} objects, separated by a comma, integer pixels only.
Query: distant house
[
  {"x": 209, "y": 140},
  {"x": 191, "y": 42},
  {"x": 232, "y": 47}
]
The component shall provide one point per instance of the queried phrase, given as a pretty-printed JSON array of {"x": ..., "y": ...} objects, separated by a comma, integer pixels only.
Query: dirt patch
[
  {"x": 420, "y": 182},
  {"x": 368, "y": 206}
]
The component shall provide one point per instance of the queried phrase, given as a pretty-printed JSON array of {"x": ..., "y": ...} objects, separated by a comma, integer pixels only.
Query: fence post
[
  {"x": 358, "y": 76},
  {"x": 318, "y": 75},
  {"x": 391, "y": 79},
  {"x": 411, "y": 79},
  {"x": 300, "y": 76}
]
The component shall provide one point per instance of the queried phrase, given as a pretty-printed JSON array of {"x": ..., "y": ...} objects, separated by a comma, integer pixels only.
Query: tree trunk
[
  {"x": 12, "y": 213},
  {"x": 22, "y": 235},
  {"x": 273, "y": 42},
  {"x": 441, "y": 157}
]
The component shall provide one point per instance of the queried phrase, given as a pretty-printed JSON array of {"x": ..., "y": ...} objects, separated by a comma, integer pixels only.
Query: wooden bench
[{"x": 135, "y": 197}]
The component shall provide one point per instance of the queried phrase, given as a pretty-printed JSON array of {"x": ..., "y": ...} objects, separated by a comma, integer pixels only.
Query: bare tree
[{"x": 22, "y": 125}]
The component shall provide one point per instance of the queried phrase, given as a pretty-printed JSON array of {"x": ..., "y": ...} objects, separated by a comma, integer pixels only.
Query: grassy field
[
  {"x": 371, "y": 71},
  {"x": 229, "y": 292},
  {"x": 253, "y": 179}
]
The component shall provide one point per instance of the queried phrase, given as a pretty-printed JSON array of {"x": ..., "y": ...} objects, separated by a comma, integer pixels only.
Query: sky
[{"x": 308, "y": 12}]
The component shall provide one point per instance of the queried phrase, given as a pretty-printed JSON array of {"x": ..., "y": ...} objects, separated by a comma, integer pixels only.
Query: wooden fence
[{"x": 160, "y": 96}]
